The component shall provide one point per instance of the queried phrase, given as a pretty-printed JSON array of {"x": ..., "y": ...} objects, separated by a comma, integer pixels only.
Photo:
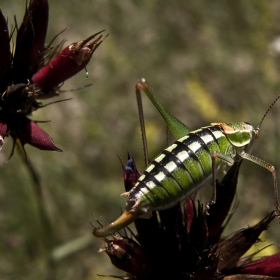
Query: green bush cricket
[{"x": 188, "y": 164}]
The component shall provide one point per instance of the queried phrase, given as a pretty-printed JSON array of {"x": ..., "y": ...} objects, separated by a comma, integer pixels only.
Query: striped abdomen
[{"x": 180, "y": 170}]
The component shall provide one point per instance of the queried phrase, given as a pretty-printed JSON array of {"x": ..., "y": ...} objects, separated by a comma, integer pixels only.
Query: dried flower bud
[
  {"x": 128, "y": 255},
  {"x": 206, "y": 267},
  {"x": 234, "y": 247}
]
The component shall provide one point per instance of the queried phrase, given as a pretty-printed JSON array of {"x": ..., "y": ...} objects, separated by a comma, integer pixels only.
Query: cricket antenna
[{"x": 269, "y": 108}]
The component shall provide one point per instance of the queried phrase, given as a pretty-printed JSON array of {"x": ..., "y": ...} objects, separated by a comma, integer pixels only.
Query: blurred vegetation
[{"x": 205, "y": 61}]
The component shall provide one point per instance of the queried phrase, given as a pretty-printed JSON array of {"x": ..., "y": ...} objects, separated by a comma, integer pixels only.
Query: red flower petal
[
  {"x": 189, "y": 209},
  {"x": 30, "y": 40},
  {"x": 40, "y": 18},
  {"x": 269, "y": 266},
  {"x": 31, "y": 133}
]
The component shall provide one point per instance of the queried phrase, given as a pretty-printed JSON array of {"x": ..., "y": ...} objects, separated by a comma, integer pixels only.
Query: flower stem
[{"x": 47, "y": 234}]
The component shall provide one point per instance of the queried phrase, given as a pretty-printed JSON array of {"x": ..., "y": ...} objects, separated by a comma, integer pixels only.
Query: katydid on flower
[{"x": 187, "y": 165}]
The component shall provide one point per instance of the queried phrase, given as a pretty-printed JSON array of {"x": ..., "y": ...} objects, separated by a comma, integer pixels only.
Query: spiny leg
[
  {"x": 270, "y": 168},
  {"x": 142, "y": 122}
]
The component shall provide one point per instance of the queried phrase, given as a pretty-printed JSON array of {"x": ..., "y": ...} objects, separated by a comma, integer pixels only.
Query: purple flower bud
[{"x": 130, "y": 173}]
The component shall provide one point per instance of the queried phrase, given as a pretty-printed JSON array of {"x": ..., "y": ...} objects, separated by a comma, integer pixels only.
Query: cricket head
[{"x": 239, "y": 134}]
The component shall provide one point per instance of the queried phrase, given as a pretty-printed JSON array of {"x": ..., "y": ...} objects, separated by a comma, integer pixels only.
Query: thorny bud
[{"x": 68, "y": 62}]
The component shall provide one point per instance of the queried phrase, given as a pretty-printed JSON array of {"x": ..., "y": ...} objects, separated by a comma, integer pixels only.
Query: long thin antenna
[{"x": 269, "y": 108}]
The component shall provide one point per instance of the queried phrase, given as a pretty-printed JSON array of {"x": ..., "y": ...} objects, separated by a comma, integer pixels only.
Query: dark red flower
[{"x": 26, "y": 74}]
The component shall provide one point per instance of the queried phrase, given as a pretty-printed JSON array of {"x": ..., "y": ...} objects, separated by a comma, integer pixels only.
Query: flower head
[
  {"x": 184, "y": 242},
  {"x": 34, "y": 71}
]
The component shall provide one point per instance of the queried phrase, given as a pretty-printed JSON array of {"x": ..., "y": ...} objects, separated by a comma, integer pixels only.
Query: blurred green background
[{"x": 205, "y": 61}]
